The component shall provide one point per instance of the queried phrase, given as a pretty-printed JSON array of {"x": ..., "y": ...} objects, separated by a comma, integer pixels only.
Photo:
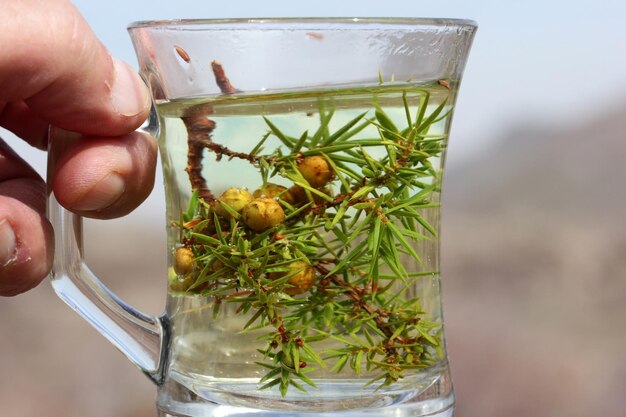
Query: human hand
[{"x": 54, "y": 71}]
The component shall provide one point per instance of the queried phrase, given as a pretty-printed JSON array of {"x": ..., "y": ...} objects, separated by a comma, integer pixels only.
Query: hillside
[{"x": 535, "y": 272}]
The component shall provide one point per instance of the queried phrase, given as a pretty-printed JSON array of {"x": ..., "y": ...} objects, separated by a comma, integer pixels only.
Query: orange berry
[
  {"x": 262, "y": 213},
  {"x": 301, "y": 280},
  {"x": 235, "y": 198},
  {"x": 316, "y": 170},
  {"x": 183, "y": 261}
]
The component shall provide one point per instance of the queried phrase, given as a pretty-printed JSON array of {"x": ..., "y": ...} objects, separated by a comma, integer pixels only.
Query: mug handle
[{"x": 140, "y": 337}]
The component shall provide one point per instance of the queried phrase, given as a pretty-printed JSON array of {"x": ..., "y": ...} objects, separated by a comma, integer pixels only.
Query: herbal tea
[
  {"x": 304, "y": 240},
  {"x": 302, "y": 208}
]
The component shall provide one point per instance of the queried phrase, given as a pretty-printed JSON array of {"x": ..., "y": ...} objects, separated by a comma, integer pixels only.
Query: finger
[
  {"x": 20, "y": 119},
  {"x": 26, "y": 242},
  {"x": 52, "y": 61},
  {"x": 105, "y": 177}
]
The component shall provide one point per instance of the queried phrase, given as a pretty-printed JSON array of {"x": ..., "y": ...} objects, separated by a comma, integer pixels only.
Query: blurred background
[{"x": 534, "y": 241}]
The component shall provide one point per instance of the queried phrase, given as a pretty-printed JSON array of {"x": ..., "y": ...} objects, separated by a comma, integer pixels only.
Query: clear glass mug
[{"x": 302, "y": 161}]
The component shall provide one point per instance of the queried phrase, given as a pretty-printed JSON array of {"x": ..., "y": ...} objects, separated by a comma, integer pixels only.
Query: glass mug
[{"x": 302, "y": 162}]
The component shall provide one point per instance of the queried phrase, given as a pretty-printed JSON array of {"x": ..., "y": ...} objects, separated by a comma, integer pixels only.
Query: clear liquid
[{"x": 211, "y": 355}]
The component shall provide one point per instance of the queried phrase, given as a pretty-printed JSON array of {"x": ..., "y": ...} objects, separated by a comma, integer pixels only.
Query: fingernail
[
  {"x": 7, "y": 243},
  {"x": 106, "y": 192},
  {"x": 129, "y": 94}
]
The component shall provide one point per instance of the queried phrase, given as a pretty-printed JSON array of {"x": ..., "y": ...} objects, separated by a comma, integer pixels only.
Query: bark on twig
[
  {"x": 356, "y": 295},
  {"x": 199, "y": 131},
  {"x": 221, "y": 79}
]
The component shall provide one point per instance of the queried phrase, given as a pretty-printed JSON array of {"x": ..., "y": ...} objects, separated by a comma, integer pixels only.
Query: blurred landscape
[
  {"x": 535, "y": 272},
  {"x": 534, "y": 269}
]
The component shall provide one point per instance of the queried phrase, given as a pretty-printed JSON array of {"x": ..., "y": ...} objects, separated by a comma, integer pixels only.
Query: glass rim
[{"x": 307, "y": 23}]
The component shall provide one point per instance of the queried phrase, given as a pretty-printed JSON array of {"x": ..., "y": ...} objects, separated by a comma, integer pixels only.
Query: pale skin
[{"x": 54, "y": 71}]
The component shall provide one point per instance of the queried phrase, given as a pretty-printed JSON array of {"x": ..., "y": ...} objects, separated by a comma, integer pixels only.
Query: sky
[
  {"x": 546, "y": 59},
  {"x": 545, "y": 62}
]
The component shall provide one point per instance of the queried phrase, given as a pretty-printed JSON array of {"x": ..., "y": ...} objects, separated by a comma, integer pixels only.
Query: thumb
[{"x": 63, "y": 74}]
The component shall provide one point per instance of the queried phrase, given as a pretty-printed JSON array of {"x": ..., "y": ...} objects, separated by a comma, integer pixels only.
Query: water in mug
[{"x": 364, "y": 327}]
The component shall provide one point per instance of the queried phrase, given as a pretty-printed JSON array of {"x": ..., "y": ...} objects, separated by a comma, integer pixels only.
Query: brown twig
[
  {"x": 356, "y": 295},
  {"x": 221, "y": 79},
  {"x": 401, "y": 161},
  {"x": 221, "y": 150},
  {"x": 199, "y": 131},
  {"x": 237, "y": 294}
]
